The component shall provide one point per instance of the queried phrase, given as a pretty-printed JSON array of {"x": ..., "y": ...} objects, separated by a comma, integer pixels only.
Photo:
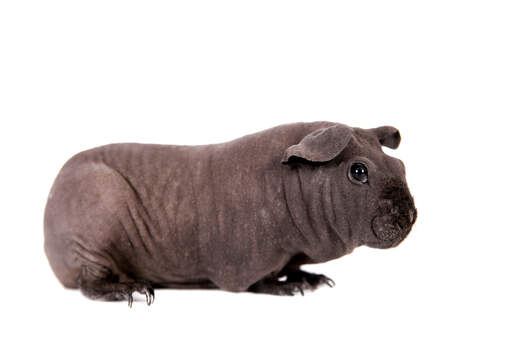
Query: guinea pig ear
[
  {"x": 388, "y": 136},
  {"x": 322, "y": 145}
]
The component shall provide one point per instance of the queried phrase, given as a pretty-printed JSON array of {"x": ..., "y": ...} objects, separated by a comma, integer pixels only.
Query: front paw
[
  {"x": 309, "y": 280},
  {"x": 296, "y": 282},
  {"x": 276, "y": 287}
]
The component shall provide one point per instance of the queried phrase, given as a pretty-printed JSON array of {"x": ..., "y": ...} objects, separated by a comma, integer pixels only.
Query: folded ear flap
[
  {"x": 322, "y": 145},
  {"x": 388, "y": 136}
]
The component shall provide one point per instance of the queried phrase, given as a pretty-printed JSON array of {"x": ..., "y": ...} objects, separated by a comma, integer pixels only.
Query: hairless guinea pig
[{"x": 237, "y": 216}]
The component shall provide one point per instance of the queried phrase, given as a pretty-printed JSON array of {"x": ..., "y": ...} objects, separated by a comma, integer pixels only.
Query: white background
[{"x": 78, "y": 74}]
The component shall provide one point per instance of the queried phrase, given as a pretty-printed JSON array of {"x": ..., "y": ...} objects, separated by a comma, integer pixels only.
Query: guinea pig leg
[{"x": 103, "y": 285}]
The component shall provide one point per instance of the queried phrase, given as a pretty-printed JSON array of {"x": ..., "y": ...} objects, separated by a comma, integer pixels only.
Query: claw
[
  {"x": 326, "y": 280},
  {"x": 152, "y": 292},
  {"x": 148, "y": 297},
  {"x": 149, "y": 293},
  {"x": 130, "y": 300}
]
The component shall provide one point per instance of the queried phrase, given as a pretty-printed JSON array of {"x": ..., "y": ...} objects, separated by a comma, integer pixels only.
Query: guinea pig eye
[{"x": 359, "y": 172}]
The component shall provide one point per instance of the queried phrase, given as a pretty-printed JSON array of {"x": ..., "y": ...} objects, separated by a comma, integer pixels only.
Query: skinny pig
[{"x": 239, "y": 216}]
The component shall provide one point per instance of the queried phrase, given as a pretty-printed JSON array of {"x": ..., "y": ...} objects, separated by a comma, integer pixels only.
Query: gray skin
[{"x": 236, "y": 216}]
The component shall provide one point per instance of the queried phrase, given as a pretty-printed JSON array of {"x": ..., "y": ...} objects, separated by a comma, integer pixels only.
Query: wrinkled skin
[{"x": 239, "y": 216}]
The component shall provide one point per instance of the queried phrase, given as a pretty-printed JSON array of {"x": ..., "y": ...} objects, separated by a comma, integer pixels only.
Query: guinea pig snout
[{"x": 396, "y": 214}]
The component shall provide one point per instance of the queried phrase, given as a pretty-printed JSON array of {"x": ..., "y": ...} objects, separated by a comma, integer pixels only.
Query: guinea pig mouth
[{"x": 389, "y": 228}]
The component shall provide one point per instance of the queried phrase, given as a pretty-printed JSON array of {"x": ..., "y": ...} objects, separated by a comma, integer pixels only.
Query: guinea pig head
[{"x": 369, "y": 193}]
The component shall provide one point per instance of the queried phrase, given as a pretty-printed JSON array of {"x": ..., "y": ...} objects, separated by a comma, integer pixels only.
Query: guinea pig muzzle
[{"x": 396, "y": 214}]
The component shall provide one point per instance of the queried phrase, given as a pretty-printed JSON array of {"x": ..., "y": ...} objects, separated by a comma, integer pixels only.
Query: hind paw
[{"x": 109, "y": 291}]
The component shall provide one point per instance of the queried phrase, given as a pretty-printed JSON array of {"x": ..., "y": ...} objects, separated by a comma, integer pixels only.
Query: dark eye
[{"x": 359, "y": 172}]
